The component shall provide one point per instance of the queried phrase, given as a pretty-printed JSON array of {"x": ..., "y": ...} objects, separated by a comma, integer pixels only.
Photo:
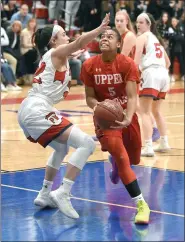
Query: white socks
[
  {"x": 47, "y": 186},
  {"x": 136, "y": 199},
  {"x": 164, "y": 139},
  {"x": 67, "y": 185},
  {"x": 148, "y": 142}
]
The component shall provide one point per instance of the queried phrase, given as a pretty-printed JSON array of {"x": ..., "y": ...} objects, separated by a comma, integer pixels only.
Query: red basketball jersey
[
  {"x": 132, "y": 52},
  {"x": 109, "y": 79}
]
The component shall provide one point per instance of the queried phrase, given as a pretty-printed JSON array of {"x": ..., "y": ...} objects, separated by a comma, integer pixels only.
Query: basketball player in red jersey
[
  {"x": 109, "y": 76},
  {"x": 124, "y": 26}
]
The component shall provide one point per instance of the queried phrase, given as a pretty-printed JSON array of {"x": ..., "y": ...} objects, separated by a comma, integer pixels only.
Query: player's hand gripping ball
[{"x": 107, "y": 112}]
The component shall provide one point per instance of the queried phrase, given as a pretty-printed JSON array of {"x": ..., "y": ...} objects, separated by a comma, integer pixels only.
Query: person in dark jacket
[
  {"x": 176, "y": 45},
  {"x": 90, "y": 14}
]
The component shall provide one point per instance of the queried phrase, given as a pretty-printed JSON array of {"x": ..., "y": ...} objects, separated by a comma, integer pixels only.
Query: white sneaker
[
  {"x": 162, "y": 147},
  {"x": 147, "y": 151},
  {"x": 3, "y": 88},
  {"x": 10, "y": 87},
  {"x": 63, "y": 202},
  {"x": 17, "y": 88},
  {"x": 44, "y": 200}
]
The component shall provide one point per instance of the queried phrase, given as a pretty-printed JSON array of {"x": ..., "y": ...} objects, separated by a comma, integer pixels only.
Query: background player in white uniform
[
  {"x": 43, "y": 124},
  {"x": 153, "y": 62}
]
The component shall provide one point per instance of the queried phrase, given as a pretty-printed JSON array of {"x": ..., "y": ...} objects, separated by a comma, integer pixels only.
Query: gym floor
[{"x": 106, "y": 210}]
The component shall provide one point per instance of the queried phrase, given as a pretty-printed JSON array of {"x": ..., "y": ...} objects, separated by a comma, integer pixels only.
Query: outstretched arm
[{"x": 63, "y": 51}]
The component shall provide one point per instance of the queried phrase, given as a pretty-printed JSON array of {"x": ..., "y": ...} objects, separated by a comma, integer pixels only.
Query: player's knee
[
  {"x": 89, "y": 144},
  {"x": 58, "y": 155}
]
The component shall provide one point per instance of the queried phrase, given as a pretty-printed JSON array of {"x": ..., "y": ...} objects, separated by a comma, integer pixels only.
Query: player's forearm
[
  {"x": 131, "y": 107},
  {"x": 91, "y": 102},
  {"x": 85, "y": 38}
]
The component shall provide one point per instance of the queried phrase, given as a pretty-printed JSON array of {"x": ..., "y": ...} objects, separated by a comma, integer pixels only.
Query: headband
[
  {"x": 56, "y": 29},
  {"x": 146, "y": 17}
]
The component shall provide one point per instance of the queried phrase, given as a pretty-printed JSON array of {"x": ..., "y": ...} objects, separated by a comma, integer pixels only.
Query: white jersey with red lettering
[
  {"x": 40, "y": 121},
  {"x": 49, "y": 82},
  {"x": 153, "y": 53},
  {"x": 155, "y": 78}
]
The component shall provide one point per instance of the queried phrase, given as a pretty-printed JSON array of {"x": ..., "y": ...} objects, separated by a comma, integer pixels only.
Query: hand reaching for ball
[{"x": 122, "y": 124}]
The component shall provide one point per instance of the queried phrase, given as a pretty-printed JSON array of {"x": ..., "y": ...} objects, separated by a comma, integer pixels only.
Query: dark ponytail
[
  {"x": 41, "y": 39},
  {"x": 153, "y": 28}
]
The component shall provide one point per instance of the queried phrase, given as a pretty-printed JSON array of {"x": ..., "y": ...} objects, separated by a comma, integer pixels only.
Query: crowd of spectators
[{"x": 19, "y": 20}]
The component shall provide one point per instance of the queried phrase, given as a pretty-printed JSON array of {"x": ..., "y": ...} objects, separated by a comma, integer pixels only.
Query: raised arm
[{"x": 63, "y": 51}]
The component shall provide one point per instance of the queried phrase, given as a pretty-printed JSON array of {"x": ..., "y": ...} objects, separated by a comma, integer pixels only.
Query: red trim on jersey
[
  {"x": 152, "y": 93},
  {"x": 52, "y": 133},
  {"x": 40, "y": 69},
  {"x": 59, "y": 76}
]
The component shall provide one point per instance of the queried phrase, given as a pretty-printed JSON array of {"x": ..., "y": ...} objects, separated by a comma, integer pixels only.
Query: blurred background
[{"x": 20, "y": 19}]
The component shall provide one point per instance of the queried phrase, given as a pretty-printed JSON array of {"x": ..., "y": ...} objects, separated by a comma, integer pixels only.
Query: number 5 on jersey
[
  {"x": 112, "y": 92},
  {"x": 158, "y": 50}
]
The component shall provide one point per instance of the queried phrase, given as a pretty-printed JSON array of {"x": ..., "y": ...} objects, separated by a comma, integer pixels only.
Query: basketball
[{"x": 107, "y": 112}]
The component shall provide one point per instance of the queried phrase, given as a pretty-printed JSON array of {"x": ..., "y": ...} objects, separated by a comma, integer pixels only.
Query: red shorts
[{"x": 131, "y": 135}]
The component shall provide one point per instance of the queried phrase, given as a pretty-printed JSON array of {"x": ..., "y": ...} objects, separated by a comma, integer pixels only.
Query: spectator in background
[
  {"x": 178, "y": 9},
  {"x": 71, "y": 11},
  {"x": 4, "y": 38},
  {"x": 27, "y": 50},
  {"x": 13, "y": 33},
  {"x": 154, "y": 8},
  {"x": 54, "y": 8},
  {"x": 4, "y": 44},
  {"x": 167, "y": 6},
  {"x": 139, "y": 7},
  {"x": 163, "y": 25},
  {"x": 14, "y": 46},
  {"x": 23, "y": 16},
  {"x": 10, "y": 8},
  {"x": 9, "y": 77},
  {"x": 122, "y": 5},
  {"x": 90, "y": 14},
  {"x": 176, "y": 45},
  {"x": 107, "y": 6}
]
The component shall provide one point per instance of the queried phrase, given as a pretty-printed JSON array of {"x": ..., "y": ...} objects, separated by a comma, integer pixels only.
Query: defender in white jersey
[
  {"x": 43, "y": 124},
  {"x": 153, "y": 63}
]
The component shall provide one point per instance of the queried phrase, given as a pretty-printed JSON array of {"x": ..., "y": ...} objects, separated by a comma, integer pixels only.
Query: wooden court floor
[{"x": 17, "y": 153}]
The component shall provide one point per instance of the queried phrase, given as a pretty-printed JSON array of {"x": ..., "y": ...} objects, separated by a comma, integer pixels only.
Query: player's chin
[{"x": 104, "y": 48}]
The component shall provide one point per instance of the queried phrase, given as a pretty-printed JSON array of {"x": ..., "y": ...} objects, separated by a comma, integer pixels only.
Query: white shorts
[
  {"x": 40, "y": 121},
  {"x": 155, "y": 82}
]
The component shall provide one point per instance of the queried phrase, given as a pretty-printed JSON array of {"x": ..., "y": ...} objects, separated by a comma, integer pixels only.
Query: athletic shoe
[
  {"x": 143, "y": 213},
  {"x": 10, "y": 87},
  {"x": 3, "y": 88},
  {"x": 63, "y": 202},
  {"x": 147, "y": 151},
  {"x": 43, "y": 200},
  {"x": 162, "y": 147},
  {"x": 155, "y": 135},
  {"x": 113, "y": 174}
]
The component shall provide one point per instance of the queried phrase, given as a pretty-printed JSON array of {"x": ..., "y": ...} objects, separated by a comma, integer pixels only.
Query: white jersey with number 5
[{"x": 153, "y": 53}]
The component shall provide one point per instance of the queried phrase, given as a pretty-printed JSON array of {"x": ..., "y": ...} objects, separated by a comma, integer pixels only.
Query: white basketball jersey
[
  {"x": 153, "y": 53},
  {"x": 49, "y": 82}
]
